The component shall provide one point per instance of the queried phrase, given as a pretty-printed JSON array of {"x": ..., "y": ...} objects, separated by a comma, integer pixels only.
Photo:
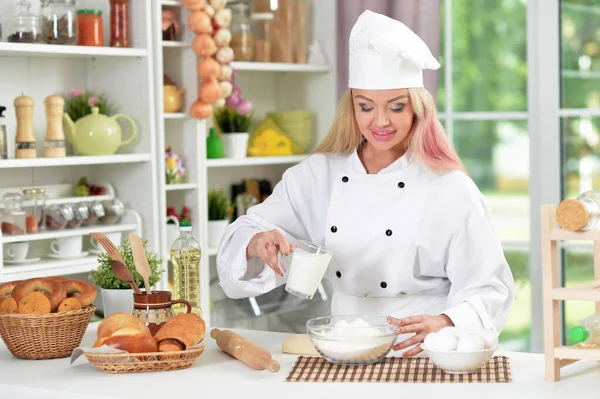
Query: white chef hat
[{"x": 386, "y": 54}]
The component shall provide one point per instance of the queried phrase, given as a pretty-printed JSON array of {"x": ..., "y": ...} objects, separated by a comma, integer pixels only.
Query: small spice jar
[
  {"x": 119, "y": 23},
  {"x": 89, "y": 28},
  {"x": 24, "y": 27},
  {"x": 60, "y": 22}
]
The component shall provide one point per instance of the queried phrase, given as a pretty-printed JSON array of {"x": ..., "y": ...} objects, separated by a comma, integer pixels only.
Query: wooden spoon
[
  {"x": 140, "y": 260},
  {"x": 123, "y": 273}
]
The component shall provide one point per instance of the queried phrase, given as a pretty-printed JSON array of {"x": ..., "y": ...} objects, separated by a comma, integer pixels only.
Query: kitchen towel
[{"x": 394, "y": 369}]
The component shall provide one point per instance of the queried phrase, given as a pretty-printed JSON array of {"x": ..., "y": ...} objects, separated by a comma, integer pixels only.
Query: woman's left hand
[{"x": 421, "y": 326}]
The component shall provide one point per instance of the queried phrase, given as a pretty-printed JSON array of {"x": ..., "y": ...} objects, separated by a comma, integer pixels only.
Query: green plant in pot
[
  {"x": 117, "y": 295},
  {"x": 234, "y": 120},
  {"x": 219, "y": 215}
]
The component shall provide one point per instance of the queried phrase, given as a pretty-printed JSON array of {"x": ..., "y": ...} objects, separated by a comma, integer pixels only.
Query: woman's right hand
[{"x": 266, "y": 245}]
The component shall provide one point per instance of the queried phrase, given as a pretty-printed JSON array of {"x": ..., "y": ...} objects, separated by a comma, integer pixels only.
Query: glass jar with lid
[
  {"x": 242, "y": 37},
  {"x": 119, "y": 23},
  {"x": 262, "y": 36},
  {"x": 580, "y": 213},
  {"x": 59, "y": 22},
  {"x": 24, "y": 27},
  {"x": 13, "y": 216},
  {"x": 89, "y": 28}
]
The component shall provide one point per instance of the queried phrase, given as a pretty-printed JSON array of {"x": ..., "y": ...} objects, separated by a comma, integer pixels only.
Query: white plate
[
  {"x": 76, "y": 256},
  {"x": 21, "y": 262}
]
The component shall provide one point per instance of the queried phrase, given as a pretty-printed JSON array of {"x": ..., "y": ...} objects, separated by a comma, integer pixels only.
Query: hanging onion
[
  {"x": 224, "y": 55},
  {"x": 222, "y": 37},
  {"x": 194, "y": 5},
  {"x": 223, "y": 18},
  {"x": 200, "y": 110},
  {"x": 209, "y": 90},
  {"x": 226, "y": 88},
  {"x": 199, "y": 22},
  {"x": 204, "y": 45},
  {"x": 226, "y": 72},
  {"x": 209, "y": 68},
  {"x": 218, "y": 4}
]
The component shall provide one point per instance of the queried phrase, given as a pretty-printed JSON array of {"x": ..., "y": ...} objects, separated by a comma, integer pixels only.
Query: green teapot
[{"x": 97, "y": 134}]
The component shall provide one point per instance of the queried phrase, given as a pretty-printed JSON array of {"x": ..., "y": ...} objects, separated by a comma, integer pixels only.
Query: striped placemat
[{"x": 394, "y": 369}]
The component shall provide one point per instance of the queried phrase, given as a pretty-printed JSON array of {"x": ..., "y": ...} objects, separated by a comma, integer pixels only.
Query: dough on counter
[{"x": 299, "y": 344}]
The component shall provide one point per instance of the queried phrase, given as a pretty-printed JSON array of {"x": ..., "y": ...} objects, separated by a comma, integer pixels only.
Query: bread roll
[
  {"x": 118, "y": 321},
  {"x": 135, "y": 343},
  {"x": 187, "y": 329},
  {"x": 170, "y": 345}
]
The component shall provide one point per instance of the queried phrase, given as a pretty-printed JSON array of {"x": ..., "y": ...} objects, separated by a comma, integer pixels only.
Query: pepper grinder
[
  {"x": 25, "y": 138},
  {"x": 54, "y": 145},
  {"x": 3, "y": 140}
]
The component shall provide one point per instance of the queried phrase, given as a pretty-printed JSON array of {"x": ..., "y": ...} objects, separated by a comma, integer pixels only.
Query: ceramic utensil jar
[
  {"x": 54, "y": 145},
  {"x": 156, "y": 308},
  {"x": 25, "y": 137}
]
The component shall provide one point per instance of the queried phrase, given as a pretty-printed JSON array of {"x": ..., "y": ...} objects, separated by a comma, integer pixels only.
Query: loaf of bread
[
  {"x": 119, "y": 321},
  {"x": 126, "y": 332},
  {"x": 181, "y": 331}
]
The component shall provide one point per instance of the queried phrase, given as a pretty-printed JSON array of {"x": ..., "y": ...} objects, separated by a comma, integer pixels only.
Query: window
[
  {"x": 580, "y": 133},
  {"x": 482, "y": 99}
]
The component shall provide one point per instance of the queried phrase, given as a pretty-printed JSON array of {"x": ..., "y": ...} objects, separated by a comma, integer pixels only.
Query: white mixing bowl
[{"x": 453, "y": 362}]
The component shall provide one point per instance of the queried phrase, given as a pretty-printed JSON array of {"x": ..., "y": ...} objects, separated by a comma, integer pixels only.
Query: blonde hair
[{"x": 427, "y": 140}]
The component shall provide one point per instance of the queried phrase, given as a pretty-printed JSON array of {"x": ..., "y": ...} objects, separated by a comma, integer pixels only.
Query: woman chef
[{"x": 410, "y": 232}]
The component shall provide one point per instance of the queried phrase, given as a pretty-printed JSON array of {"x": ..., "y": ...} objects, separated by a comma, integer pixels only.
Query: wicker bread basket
[
  {"x": 48, "y": 336},
  {"x": 118, "y": 363}
]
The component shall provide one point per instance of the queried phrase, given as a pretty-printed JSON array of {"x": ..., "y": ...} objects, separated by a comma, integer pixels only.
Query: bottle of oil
[
  {"x": 185, "y": 257},
  {"x": 587, "y": 333}
]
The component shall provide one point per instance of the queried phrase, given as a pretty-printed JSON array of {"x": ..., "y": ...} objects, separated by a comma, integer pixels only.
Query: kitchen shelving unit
[
  {"x": 557, "y": 355},
  {"x": 271, "y": 87},
  {"x": 125, "y": 76}
]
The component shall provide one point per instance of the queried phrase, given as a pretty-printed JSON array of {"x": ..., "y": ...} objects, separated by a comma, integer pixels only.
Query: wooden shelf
[
  {"x": 167, "y": 43},
  {"x": 558, "y": 356},
  {"x": 212, "y": 251},
  {"x": 48, "y": 267},
  {"x": 74, "y": 160},
  {"x": 576, "y": 353},
  {"x": 50, "y": 235},
  {"x": 181, "y": 187},
  {"x": 251, "y": 161},
  {"x": 278, "y": 67},
  {"x": 45, "y": 50}
]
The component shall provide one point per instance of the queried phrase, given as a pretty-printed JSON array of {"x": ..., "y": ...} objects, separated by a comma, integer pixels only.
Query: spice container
[
  {"x": 581, "y": 213},
  {"x": 113, "y": 212},
  {"x": 33, "y": 221},
  {"x": 95, "y": 211},
  {"x": 24, "y": 27},
  {"x": 89, "y": 28},
  {"x": 60, "y": 22},
  {"x": 242, "y": 38},
  {"x": 119, "y": 23},
  {"x": 262, "y": 39},
  {"x": 25, "y": 137},
  {"x": 54, "y": 145},
  {"x": 13, "y": 217},
  {"x": 57, "y": 216},
  {"x": 80, "y": 214}
]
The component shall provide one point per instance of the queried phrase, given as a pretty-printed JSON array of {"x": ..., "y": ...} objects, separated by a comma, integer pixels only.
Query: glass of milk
[{"x": 304, "y": 268}]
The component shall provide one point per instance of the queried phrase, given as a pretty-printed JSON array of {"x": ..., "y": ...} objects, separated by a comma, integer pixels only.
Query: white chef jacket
[{"x": 405, "y": 241}]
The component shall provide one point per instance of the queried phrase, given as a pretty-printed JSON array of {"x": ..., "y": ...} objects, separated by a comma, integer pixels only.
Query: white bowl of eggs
[{"x": 459, "y": 352}]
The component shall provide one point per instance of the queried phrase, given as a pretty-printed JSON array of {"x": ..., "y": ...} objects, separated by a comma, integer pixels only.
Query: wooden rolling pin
[{"x": 244, "y": 350}]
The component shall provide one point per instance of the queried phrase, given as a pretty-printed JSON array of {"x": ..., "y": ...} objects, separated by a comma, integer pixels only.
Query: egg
[
  {"x": 490, "y": 339},
  {"x": 429, "y": 340},
  {"x": 470, "y": 343},
  {"x": 445, "y": 342},
  {"x": 452, "y": 331}
]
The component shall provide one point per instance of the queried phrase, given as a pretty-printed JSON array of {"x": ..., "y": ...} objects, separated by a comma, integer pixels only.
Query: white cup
[
  {"x": 67, "y": 246},
  {"x": 304, "y": 268},
  {"x": 16, "y": 251},
  {"x": 115, "y": 238}
]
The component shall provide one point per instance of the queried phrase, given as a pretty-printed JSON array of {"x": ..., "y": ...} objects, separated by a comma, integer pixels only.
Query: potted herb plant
[
  {"x": 234, "y": 120},
  {"x": 117, "y": 295},
  {"x": 219, "y": 215}
]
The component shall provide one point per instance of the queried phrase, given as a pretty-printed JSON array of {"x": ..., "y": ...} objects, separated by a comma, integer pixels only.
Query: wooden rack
[{"x": 557, "y": 355}]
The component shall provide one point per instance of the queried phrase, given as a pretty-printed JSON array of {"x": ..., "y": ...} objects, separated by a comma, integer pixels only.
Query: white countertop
[{"x": 217, "y": 375}]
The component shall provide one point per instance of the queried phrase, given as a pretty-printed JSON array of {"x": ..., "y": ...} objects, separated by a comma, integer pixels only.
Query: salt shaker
[
  {"x": 54, "y": 146},
  {"x": 25, "y": 137}
]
